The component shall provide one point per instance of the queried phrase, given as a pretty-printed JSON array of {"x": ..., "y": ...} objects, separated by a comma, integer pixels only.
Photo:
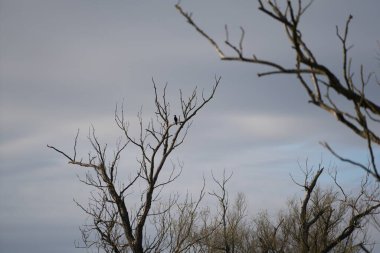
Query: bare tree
[
  {"x": 119, "y": 222},
  {"x": 182, "y": 227},
  {"x": 227, "y": 229},
  {"x": 320, "y": 83},
  {"x": 328, "y": 219},
  {"x": 325, "y": 220}
]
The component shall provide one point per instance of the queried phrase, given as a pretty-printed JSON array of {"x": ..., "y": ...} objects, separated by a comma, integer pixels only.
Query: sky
[{"x": 64, "y": 65}]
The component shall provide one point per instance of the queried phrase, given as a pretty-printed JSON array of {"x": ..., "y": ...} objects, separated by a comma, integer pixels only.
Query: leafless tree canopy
[
  {"x": 329, "y": 219},
  {"x": 120, "y": 225},
  {"x": 320, "y": 83}
]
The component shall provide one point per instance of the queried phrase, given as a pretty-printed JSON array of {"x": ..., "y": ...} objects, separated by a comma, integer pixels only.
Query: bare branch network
[
  {"x": 118, "y": 227},
  {"x": 329, "y": 219},
  {"x": 319, "y": 82}
]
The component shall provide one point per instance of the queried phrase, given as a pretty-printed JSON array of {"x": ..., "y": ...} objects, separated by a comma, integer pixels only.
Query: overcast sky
[{"x": 64, "y": 65}]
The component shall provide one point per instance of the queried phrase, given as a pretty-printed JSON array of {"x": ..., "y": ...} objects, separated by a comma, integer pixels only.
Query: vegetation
[{"x": 326, "y": 219}]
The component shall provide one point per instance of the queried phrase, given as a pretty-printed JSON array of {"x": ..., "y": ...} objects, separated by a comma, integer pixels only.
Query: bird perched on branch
[{"x": 175, "y": 119}]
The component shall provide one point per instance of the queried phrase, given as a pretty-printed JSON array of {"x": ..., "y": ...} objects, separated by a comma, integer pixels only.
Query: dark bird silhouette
[{"x": 175, "y": 119}]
